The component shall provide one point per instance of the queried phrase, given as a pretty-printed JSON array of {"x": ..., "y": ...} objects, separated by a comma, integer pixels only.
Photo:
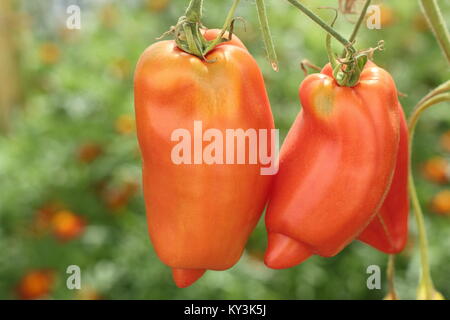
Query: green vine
[
  {"x": 426, "y": 289},
  {"x": 268, "y": 42},
  {"x": 437, "y": 23}
]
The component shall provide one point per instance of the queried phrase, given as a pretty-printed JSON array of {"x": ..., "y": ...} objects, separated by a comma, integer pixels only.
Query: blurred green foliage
[{"x": 77, "y": 97}]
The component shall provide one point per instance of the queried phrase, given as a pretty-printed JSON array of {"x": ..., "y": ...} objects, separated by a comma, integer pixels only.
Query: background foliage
[{"x": 70, "y": 168}]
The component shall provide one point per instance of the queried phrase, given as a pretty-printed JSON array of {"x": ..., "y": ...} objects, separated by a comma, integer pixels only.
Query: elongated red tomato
[
  {"x": 388, "y": 231},
  {"x": 336, "y": 166},
  {"x": 200, "y": 215}
]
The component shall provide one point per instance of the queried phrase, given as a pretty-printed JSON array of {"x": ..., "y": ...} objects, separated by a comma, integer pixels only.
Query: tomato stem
[
  {"x": 226, "y": 26},
  {"x": 321, "y": 23},
  {"x": 436, "y": 96},
  {"x": 331, "y": 54},
  {"x": 194, "y": 11},
  {"x": 268, "y": 42},
  {"x": 391, "y": 277},
  {"x": 358, "y": 23},
  {"x": 437, "y": 23},
  {"x": 360, "y": 20}
]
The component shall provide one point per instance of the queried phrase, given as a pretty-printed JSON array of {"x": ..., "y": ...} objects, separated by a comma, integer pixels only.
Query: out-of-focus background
[{"x": 70, "y": 190}]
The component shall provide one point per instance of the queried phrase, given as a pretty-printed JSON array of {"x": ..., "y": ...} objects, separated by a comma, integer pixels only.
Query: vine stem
[
  {"x": 440, "y": 94},
  {"x": 194, "y": 10},
  {"x": 227, "y": 23},
  {"x": 425, "y": 276},
  {"x": 321, "y": 23},
  {"x": 355, "y": 31},
  {"x": 360, "y": 20},
  {"x": 435, "y": 97},
  {"x": 391, "y": 277},
  {"x": 268, "y": 42},
  {"x": 437, "y": 23},
  {"x": 444, "y": 87},
  {"x": 331, "y": 55}
]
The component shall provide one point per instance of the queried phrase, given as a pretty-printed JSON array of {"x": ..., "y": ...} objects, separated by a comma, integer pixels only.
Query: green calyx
[
  {"x": 347, "y": 72},
  {"x": 347, "y": 69},
  {"x": 189, "y": 38},
  {"x": 188, "y": 35}
]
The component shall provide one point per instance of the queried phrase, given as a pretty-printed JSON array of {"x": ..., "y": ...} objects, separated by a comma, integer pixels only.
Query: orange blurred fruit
[
  {"x": 109, "y": 15},
  {"x": 387, "y": 15},
  {"x": 440, "y": 203},
  {"x": 420, "y": 22},
  {"x": 35, "y": 284},
  {"x": 118, "y": 197},
  {"x": 88, "y": 294},
  {"x": 43, "y": 217},
  {"x": 89, "y": 151},
  {"x": 445, "y": 141},
  {"x": 125, "y": 124},
  {"x": 49, "y": 53},
  {"x": 66, "y": 225},
  {"x": 120, "y": 68},
  {"x": 157, "y": 5},
  {"x": 436, "y": 170}
]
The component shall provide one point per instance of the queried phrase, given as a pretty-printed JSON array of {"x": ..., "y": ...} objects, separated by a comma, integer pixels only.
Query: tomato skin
[
  {"x": 336, "y": 165},
  {"x": 388, "y": 231},
  {"x": 199, "y": 216}
]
